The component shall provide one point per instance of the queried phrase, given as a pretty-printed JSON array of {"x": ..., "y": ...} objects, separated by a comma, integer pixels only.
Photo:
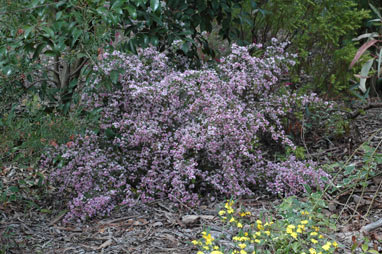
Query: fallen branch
[
  {"x": 372, "y": 226},
  {"x": 370, "y": 106}
]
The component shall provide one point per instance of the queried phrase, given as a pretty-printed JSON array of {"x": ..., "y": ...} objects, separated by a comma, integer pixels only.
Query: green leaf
[
  {"x": 116, "y": 5},
  {"x": 110, "y": 133},
  {"x": 27, "y": 31},
  {"x": 154, "y": 41},
  {"x": 364, "y": 247},
  {"x": 38, "y": 50},
  {"x": 186, "y": 47},
  {"x": 58, "y": 15},
  {"x": 73, "y": 83},
  {"x": 307, "y": 188},
  {"x": 102, "y": 11},
  {"x": 75, "y": 34},
  {"x": 154, "y": 4},
  {"x": 253, "y": 4},
  {"x": 141, "y": 2},
  {"x": 51, "y": 53},
  {"x": 349, "y": 169},
  {"x": 49, "y": 31},
  {"x": 13, "y": 189},
  {"x": 132, "y": 11},
  {"x": 114, "y": 75},
  {"x": 7, "y": 70},
  {"x": 376, "y": 11}
]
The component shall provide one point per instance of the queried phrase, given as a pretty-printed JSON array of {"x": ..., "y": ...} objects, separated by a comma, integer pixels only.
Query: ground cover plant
[
  {"x": 295, "y": 230},
  {"x": 166, "y": 133}
]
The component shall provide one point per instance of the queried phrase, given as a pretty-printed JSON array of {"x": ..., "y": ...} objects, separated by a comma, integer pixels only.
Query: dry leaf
[{"x": 362, "y": 50}]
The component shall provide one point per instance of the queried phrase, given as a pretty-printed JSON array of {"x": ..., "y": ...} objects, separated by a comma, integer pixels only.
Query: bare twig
[{"x": 79, "y": 68}]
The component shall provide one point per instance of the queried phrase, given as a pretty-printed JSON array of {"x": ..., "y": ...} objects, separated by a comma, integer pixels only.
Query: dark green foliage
[
  {"x": 320, "y": 32},
  {"x": 26, "y": 130},
  {"x": 48, "y": 45}
]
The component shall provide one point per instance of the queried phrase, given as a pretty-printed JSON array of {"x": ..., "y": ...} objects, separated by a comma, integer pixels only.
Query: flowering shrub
[
  {"x": 166, "y": 133},
  {"x": 263, "y": 235}
]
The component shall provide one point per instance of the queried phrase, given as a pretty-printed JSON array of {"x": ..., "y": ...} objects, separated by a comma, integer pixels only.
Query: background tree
[{"x": 46, "y": 44}]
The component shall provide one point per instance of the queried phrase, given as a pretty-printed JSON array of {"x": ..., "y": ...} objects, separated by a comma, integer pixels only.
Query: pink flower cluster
[{"x": 183, "y": 135}]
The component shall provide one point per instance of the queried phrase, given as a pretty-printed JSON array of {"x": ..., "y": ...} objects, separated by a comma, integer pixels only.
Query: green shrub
[
  {"x": 24, "y": 135},
  {"x": 320, "y": 32}
]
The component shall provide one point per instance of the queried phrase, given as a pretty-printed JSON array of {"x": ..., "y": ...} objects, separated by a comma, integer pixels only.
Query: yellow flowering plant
[{"x": 264, "y": 234}]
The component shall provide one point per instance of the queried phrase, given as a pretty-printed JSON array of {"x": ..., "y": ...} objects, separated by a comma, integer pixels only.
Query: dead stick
[{"x": 372, "y": 226}]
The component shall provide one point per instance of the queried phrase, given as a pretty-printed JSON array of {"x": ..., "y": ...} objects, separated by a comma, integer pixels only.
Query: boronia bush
[{"x": 181, "y": 135}]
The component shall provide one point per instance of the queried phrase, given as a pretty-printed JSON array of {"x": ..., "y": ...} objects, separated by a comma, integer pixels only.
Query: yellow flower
[
  {"x": 248, "y": 213},
  {"x": 289, "y": 230},
  {"x": 314, "y": 241},
  {"x": 312, "y": 251},
  {"x": 242, "y": 245},
  {"x": 258, "y": 233},
  {"x": 304, "y": 222},
  {"x": 194, "y": 242},
  {"x": 335, "y": 244},
  {"x": 208, "y": 239},
  {"x": 232, "y": 219},
  {"x": 228, "y": 204},
  {"x": 326, "y": 246},
  {"x": 216, "y": 247},
  {"x": 316, "y": 228},
  {"x": 242, "y": 214},
  {"x": 200, "y": 252},
  {"x": 259, "y": 222},
  {"x": 243, "y": 252},
  {"x": 257, "y": 240},
  {"x": 313, "y": 234},
  {"x": 246, "y": 233},
  {"x": 216, "y": 252},
  {"x": 221, "y": 213},
  {"x": 267, "y": 233},
  {"x": 299, "y": 230},
  {"x": 206, "y": 247},
  {"x": 239, "y": 225},
  {"x": 260, "y": 227},
  {"x": 320, "y": 236},
  {"x": 304, "y": 213},
  {"x": 291, "y": 226},
  {"x": 294, "y": 235}
]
